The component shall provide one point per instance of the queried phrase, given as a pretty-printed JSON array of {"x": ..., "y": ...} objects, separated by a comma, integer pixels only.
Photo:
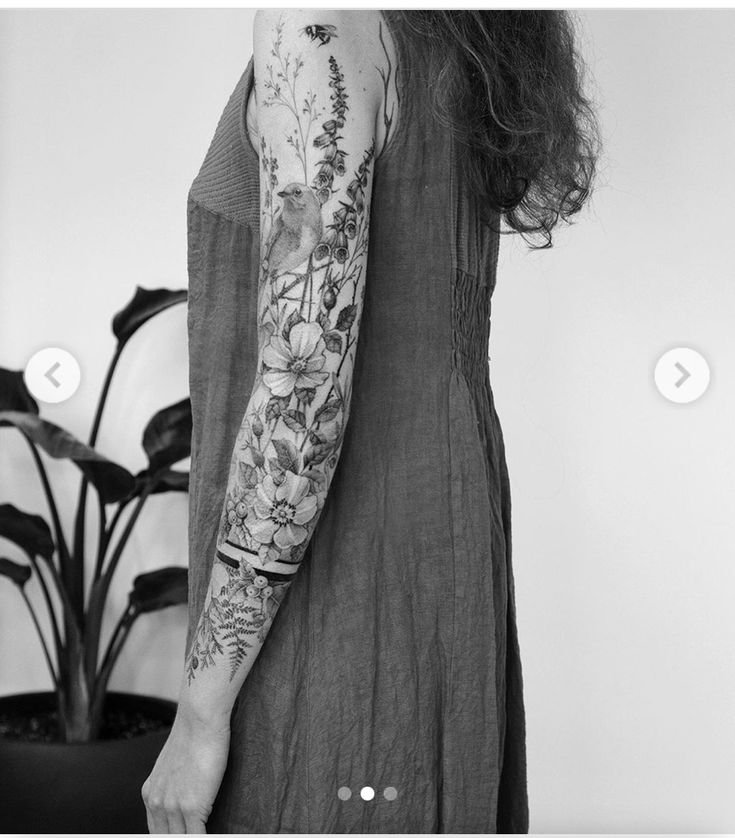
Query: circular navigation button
[
  {"x": 682, "y": 375},
  {"x": 52, "y": 375}
]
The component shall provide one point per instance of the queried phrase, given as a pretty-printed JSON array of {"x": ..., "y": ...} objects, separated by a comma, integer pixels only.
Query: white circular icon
[
  {"x": 52, "y": 375},
  {"x": 367, "y": 793},
  {"x": 682, "y": 375}
]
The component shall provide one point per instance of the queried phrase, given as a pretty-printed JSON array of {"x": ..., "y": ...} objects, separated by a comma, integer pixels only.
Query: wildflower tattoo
[{"x": 314, "y": 241}]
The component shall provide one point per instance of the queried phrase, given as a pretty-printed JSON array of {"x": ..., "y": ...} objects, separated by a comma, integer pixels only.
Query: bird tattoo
[{"x": 296, "y": 231}]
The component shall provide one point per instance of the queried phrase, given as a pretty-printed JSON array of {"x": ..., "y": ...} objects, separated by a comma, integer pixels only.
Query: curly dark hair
[{"x": 509, "y": 86}]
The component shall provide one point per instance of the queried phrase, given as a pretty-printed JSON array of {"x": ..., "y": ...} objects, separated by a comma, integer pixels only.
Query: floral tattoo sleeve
[{"x": 315, "y": 199}]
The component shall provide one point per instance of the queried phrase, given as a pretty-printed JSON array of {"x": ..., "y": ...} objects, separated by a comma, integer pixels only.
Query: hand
[{"x": 179, "y": 793}]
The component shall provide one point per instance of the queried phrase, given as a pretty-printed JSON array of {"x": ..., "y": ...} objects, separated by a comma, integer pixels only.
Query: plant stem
[
  {"x": 58, "y": 643},
  {"x": 74, "y": 700},
  {"x": 74, "y": 578},
  {"x": 61, "y": 545},
  {"x": 72, "y": 619},
  {"x": 54, "y": 677},
  {"x": 100, "y": 589},
  {"x": 123, "y": 540},
  {"x": 114, "y": 647},
  {"x": 105, "y": 541},
  {"x": 102, "y": 537}
]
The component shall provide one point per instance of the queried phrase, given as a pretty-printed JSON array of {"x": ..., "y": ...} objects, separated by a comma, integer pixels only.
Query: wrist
[{"x": 202, "y": 715}]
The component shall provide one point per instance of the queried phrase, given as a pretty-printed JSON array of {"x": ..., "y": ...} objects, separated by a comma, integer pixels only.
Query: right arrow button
[{"x": 682, "y": 375}]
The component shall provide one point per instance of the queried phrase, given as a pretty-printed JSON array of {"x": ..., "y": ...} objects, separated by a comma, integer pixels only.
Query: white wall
[
  {"x": 106, "y": 116},
  {"x": 622, "y": 501}
]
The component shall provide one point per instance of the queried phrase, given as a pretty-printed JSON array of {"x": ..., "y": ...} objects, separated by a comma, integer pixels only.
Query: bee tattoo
[{"x": 320, "y": 32}]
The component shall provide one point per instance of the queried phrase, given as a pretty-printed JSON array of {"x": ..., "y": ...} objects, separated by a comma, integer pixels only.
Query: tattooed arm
[{"x": 318, "y": 95}]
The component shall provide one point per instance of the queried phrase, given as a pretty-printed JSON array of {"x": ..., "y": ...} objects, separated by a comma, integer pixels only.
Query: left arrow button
[{"x": 52, "y": 375}]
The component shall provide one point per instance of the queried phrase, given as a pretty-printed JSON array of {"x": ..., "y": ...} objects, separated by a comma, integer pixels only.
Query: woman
[{"x": 343, "y": 240}]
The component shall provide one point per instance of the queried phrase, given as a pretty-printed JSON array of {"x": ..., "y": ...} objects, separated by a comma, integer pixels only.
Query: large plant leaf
[
  {"x": 159, "y": 589},
  {"x": 171, "y": 480},
  {"x": 146, "y": 303},
  {"x": 18, "y": 573},
  {"x": 113, "y": 482},
  {"x": 168, "y": 480},
  {"x": 167, "y": 437},
  {"x": 30, "y": 532},
  {"x": 14, "y": 394}
]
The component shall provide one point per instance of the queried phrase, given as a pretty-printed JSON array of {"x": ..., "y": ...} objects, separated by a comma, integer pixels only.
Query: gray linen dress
[{"x": 393, "y": 661}]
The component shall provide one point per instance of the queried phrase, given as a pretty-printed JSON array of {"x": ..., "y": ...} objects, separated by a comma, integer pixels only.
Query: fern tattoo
[{"x": 241, "y": 612}]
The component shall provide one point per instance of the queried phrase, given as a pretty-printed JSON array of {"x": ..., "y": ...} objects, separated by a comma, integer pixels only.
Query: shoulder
[
  {"x": 357, "y": 45},
  {"x": 356, "y": 40},
  {"x": 357, "y": 30}
]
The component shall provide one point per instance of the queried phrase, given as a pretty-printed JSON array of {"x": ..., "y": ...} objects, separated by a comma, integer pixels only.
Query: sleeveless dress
[{"x": 393, "y": 661}]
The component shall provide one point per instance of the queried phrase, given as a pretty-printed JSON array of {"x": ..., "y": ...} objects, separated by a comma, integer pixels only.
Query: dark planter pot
[{"x": 92, "y": 787}]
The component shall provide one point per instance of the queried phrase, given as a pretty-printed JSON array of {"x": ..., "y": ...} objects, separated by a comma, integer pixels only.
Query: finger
[
  {"x": 158, "y": 823},
  {"x": 175, "y": 820},
  {"x": 144, "y": 796},
  {"x": 194, "y": 824}
]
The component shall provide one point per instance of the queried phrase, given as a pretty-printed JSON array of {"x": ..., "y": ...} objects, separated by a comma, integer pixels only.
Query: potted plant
[{"x": 74, "y": 759}]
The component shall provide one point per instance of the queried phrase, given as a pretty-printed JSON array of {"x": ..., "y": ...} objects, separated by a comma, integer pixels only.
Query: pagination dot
[
  {"x": 367, "y": 793},
  {"x": 390, "y": 793},
  {"x": 344, "y": 793}
]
